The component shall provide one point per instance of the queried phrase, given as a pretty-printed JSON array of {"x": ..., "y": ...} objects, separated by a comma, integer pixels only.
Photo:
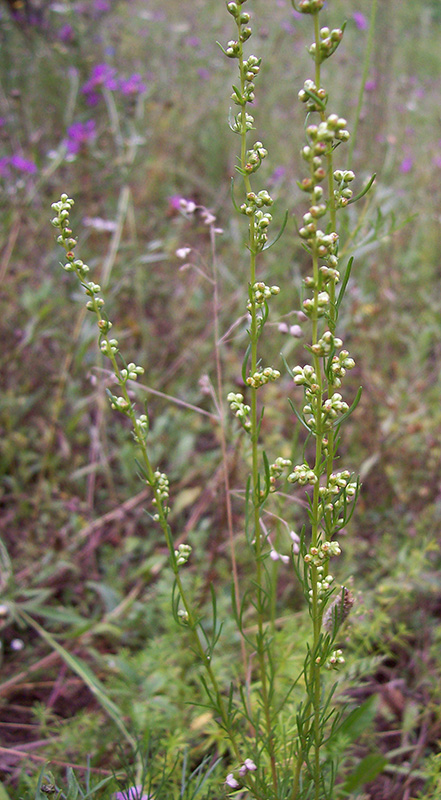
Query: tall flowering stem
[
  {"x": 254, "y": 208},
  {"x": 324, "y": 409},
  {"x": 158, "y": 481}
]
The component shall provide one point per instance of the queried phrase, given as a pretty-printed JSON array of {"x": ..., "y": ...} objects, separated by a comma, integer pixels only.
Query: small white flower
[
  {"x": 296, "y": 331},
  {"x": 183, "y": 252},
  {"x": 187, "y": 205},
  {"x": 295, "y": 542}
]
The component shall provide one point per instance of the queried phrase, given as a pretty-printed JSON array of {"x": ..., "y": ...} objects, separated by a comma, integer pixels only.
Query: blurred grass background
[{"x": 72, "y": 507}]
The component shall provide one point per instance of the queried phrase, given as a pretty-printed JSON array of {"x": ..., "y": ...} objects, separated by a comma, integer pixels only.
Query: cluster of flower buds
[
  {"x": 327, "y": 343},
  {"x": 335, "y": 660},
  {"x": 338, "y": 488},
  {"x": 119, "y": 404},
  {"x": 262, "y": 376},
  {"x": 251, "y": 68},
  {"x": 329, "y": 41},
  {"x": 311, "y": 6},
  {"x": 276, "y": 470},
  {"x": 305, "y": 376},
  {"x": 141, "y": 429},
  {"x": 109, "y": 347},
  {"x": 328, "y": 274},
  {"x": 237, "y": 123},
  {"x": 240, "y": 409},
  {"x": 340, "y": 363},
  {"x": 323, "y": 583},
  {"x": 260, "y": 293},
  {"x": 343, "y": 193},
  {"x": 314, "y": 98},
  {"x": 161, "y": 485},
  {"x": 131, "y": 373},
  {"x": 254, "y": 158},
  {"x": 326, "y": 243},
  {"x": 303, "y": 475},
  {"x": 242, "y": 18},
  {"x": 75, "y": 264},
  {"x": 261, "y": 220},
  {"x": 318, "y": 305},
  {"x": 162, "y": 491},
  {"x": 330, "y": 409},
  {"x": 253, "y": 208},
  {"x": 61, "y": 220},
  {"x": 317, "y": 556},
  {"x": 182, "y": 554}
]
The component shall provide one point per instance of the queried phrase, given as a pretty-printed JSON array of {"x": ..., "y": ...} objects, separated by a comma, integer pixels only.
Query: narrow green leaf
[
  {"x": 73, "y": 788},
  {"x": 346, "y": 277},
  {"x": 85, "y": 673},
  {"x": 238, "y": 94},
  {"x": 363, "y": 191},
  {"x": 245, "y": 363},
  {"x": 97, "y": 786},
  {"x": 366, "y": 771},
  {"x": 233, "y": 198},
  {"x": 273, "y": 241},
  {"x": 300, "y": 419},
  {"x": 350, "y": 410},
  {"x": 358, "y": 719}
]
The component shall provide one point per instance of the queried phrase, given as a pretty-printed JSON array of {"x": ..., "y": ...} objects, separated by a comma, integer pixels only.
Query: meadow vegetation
[{"x": 125, "y": 107}]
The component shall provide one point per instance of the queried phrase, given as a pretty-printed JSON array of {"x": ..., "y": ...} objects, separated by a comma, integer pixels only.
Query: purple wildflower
[
  {"x": 101, "y": 5},
  {"x": 371, "y": 85},
  {"x": 102, "y": 75},
  {"x": 174, "y": 202},
  {"x": 132, "y": 85},
  {"x": 204, "y": 74},
  {"x": 436, "y": 161},
  {"x": 23, "y": 164},
  {"x": 360, "y": 20},
  {"x": 133, "y": 793},
  {"x": 78, "y": 134},
  {"x": 406, "y": 165},
  {"x": 19, "y": 163},
  {"x": 231, "y": 781}
]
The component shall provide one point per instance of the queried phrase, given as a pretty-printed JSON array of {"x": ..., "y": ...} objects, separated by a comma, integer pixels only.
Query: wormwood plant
[{"x": 285, "y": 735}]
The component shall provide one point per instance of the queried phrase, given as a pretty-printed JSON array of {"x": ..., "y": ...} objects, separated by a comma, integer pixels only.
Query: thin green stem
[
  {"x": 254, "y": 433},
  {"x": 223, "y": 439},
  {"x": 364, "y": 77}
]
